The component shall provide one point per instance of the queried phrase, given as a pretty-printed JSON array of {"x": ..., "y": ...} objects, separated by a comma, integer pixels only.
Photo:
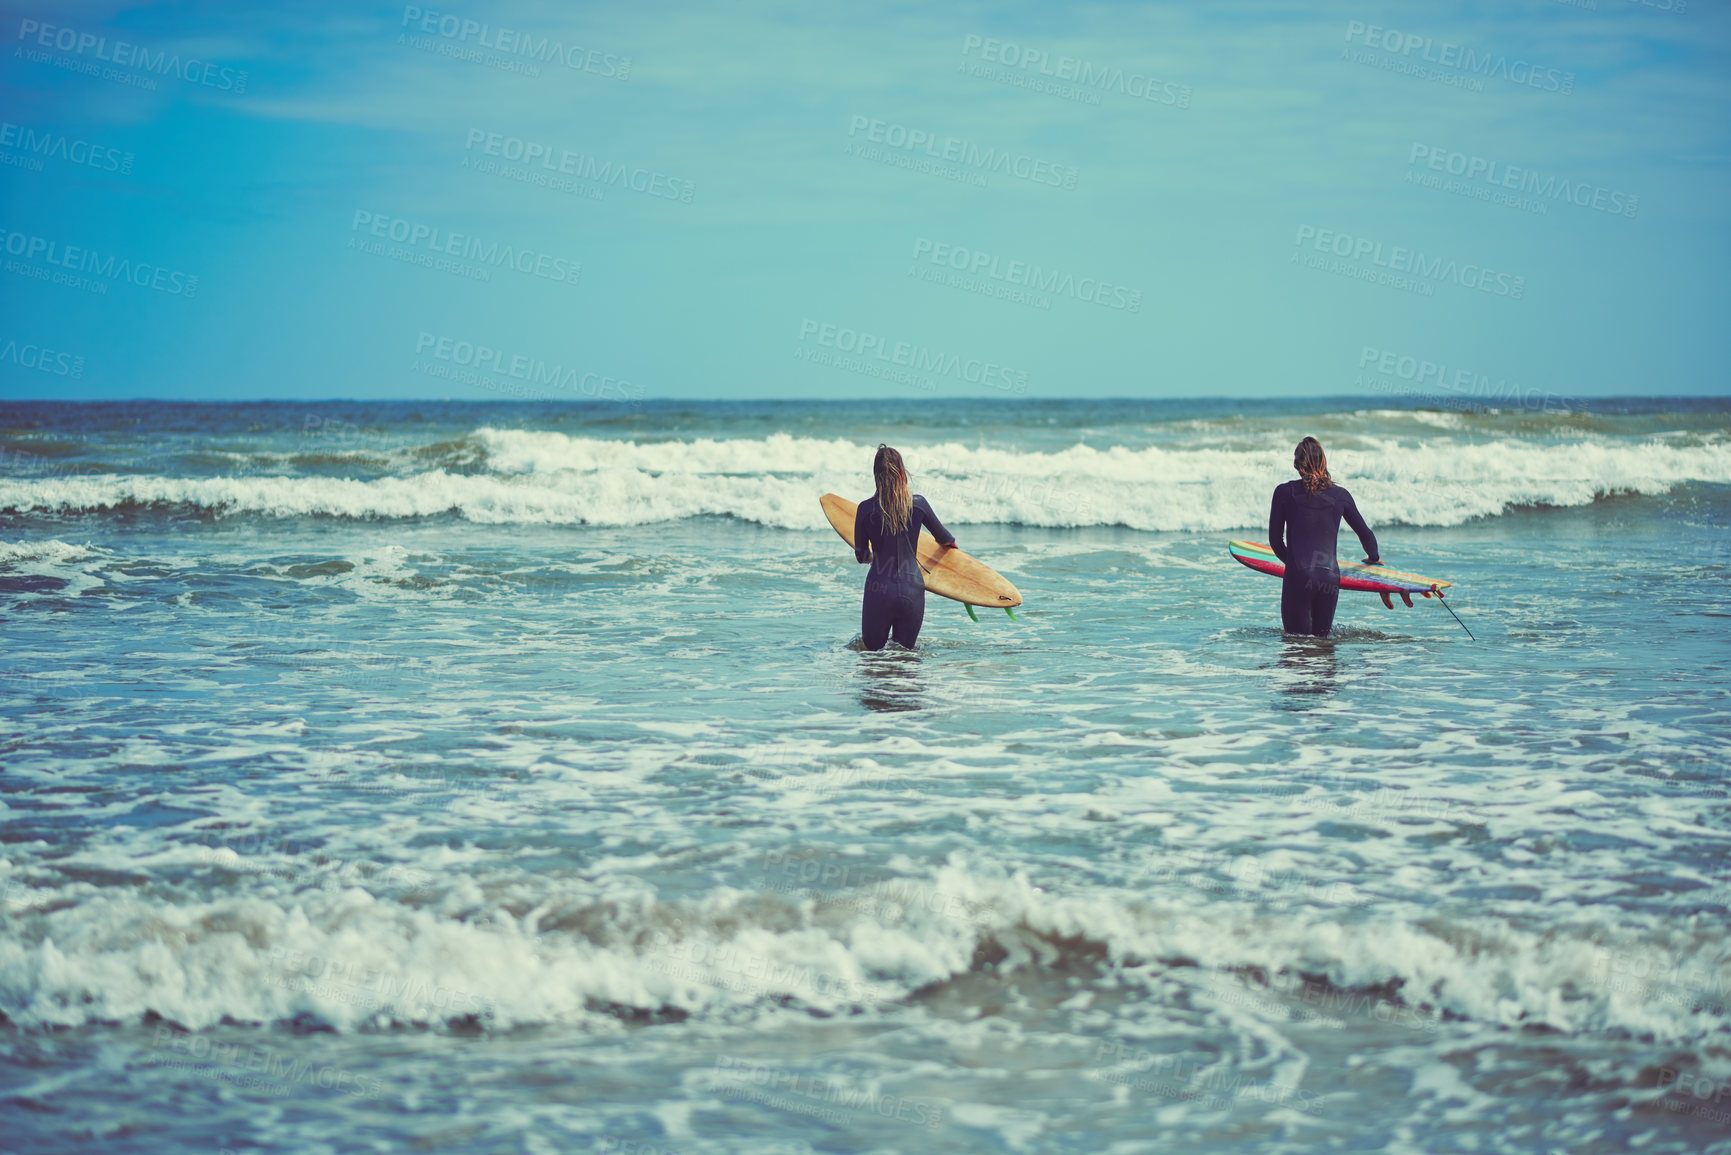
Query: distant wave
[{"x": 550, "y": 478}]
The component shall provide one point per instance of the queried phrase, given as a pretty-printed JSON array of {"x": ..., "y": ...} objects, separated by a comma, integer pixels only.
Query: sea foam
[
  {"x": 555, "y": 479},
  {"x": 349, "y": 959}
]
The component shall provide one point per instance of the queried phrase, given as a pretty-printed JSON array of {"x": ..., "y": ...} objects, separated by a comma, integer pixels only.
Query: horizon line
[{"x": 1489, "y": 403}]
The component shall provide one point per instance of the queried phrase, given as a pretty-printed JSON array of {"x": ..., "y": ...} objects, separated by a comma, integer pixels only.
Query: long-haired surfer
[
  {"x": 1303, "y": 530},
  {"x": 886, "y": 533}
]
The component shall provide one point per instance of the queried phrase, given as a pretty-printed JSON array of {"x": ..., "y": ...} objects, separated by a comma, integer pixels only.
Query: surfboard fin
[
  {"x": 1407, "y": 598},
  {"x": 1013, "y": 617},
  {"x": 970, "y": 610},
  {"x": 1386, "y": 604}
]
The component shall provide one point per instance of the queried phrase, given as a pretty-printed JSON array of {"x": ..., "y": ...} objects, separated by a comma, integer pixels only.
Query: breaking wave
[
  {"x": 347, "y": 958},
  {"x": 522, "y": 477}
]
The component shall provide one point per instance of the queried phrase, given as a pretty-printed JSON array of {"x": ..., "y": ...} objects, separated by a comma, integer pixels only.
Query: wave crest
[
  {"x": 550, "y": 478},
  {"x": 348, "y": 959}
]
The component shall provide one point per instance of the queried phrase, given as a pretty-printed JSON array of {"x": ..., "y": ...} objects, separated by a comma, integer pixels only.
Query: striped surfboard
[{"x": 1376, "y": 579}]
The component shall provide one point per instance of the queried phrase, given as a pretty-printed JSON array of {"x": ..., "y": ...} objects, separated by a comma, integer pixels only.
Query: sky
[{"x": 811, "y": 201}]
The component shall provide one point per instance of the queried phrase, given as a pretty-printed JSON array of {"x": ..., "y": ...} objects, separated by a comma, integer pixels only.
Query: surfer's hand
[{"x": 948, "y": 545}]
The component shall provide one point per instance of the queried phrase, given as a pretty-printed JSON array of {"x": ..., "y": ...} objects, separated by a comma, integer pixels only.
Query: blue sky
[{"x": 1161, "y": 200}]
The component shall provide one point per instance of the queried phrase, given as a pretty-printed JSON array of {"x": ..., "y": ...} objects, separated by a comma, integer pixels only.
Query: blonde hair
[
  {"x": 895, "y": 503},
  {"x": 1312, "y": 465}
]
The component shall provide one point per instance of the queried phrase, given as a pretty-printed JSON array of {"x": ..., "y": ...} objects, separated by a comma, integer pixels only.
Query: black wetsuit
[
  {"x": 895, "y": 593},
  {"x": 1303, "y": 529}
]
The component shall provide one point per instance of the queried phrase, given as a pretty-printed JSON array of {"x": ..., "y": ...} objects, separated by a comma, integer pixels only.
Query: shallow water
[{"x": 499, "y": 778}]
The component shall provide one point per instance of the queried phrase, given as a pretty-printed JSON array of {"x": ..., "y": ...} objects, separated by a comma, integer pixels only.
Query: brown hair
[
  {"x": 895, "y": 503},
  {"x": 1312, "y": 465}
]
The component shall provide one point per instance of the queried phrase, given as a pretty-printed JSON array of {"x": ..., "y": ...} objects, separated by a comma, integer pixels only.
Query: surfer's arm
[
  {"x": 862, "y": 546},
  {"x": 930, "y": 520},
  {"x": 1365, "y": 538},
  {"x": 1277, "y": 525}
]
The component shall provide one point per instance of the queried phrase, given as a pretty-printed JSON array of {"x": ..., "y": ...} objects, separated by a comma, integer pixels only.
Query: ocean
[{"x": 421, "y": 776}]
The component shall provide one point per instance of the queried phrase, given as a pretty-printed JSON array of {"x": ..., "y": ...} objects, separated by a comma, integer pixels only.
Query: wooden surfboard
[{"x": 949, "y": 573}]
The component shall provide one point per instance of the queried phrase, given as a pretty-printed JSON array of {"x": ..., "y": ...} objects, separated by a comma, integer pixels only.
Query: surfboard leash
[{"x": 1451, "y": 610}]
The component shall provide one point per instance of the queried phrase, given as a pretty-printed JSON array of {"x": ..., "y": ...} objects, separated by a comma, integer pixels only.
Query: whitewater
[
  {"x": 529, "y": 477},
  {"x": 355, "y": 753}
]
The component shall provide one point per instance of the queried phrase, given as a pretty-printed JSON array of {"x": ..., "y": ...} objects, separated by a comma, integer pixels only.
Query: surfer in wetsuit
[
  {"x": 886, "y": 533},
  {"x": 1303, "y": 528}
]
